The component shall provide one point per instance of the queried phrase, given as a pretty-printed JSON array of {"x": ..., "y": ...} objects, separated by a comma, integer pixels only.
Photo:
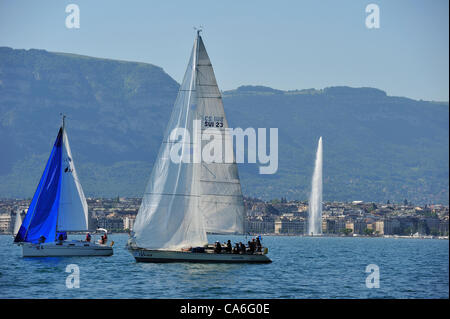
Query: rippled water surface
[{"x": 302, "y": 267}]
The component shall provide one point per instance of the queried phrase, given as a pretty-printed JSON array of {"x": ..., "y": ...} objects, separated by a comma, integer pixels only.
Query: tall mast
[
  {"x": 62, "y": 141},
  {"x": 63, "y": 120},
  {"x": 198, "y": 29}
]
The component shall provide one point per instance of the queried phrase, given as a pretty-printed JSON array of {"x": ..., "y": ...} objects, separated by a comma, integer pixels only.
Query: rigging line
[
  {"x": 203, "y": 164},
  {"x": 197, "y": 80},
  {"x": 209, "y": 181},
  {"x": 209, "y": 97}
]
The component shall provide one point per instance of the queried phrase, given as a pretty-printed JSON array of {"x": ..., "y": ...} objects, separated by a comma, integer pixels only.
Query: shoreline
[
  {"x": 357, "y": 236},
  {"x": 301, "y": 235}
]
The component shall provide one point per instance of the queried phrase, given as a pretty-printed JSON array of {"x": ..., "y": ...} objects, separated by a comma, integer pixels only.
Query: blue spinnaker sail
[{"x": 43, "y": 211}]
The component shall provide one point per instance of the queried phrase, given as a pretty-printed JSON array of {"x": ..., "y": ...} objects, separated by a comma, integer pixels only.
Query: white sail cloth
[
  {"x": 183, "y": 200},
  {"x": 221, "y": 200},
  {"x": 73, "y": 209},
  {"x": 17, "y": 223}
]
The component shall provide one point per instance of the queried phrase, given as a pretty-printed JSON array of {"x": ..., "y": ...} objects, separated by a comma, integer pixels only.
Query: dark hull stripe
[
  {"x": 66, "y": 256},
  {"x": 171, "y": 260}
]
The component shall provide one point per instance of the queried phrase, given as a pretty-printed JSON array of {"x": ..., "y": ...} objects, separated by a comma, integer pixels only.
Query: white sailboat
[
  {"x": 186, "y": 199},
  {"x": 58, "y": 207}
]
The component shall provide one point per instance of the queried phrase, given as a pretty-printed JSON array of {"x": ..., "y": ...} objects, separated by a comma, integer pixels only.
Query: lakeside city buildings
[{"x": 279, "y": 217}]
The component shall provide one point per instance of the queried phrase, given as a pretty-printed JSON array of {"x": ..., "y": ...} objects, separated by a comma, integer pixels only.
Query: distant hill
[{"x": 376, "y": 147}]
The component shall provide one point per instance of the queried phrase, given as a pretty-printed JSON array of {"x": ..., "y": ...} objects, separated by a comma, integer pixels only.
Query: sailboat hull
[
  {"x": 166, "y": 256},
  {"x": 66, "y": 249}
]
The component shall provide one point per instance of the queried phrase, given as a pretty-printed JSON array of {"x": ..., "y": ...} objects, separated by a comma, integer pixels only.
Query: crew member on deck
[
  {"x": 258, "y": 244},
  {"x": 88, "y": 237},
  {"x": 60, "y": 239},
  {"x": 253, "y": 244},
  {"x": 218, "y": 248},
  {"x": 229, "y": 247},
  {"x": 242, "y": 248},
  {"x": 251, "y": 248}
]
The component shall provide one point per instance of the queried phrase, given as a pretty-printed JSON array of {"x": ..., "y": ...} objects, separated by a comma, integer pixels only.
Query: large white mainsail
[
  {"x": 221, "y": 200},
  {"x": 73, "y": 208},
  {"x": 184, "y": 200}
]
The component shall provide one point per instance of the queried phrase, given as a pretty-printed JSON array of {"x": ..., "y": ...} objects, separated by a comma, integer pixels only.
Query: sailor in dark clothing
[
  {"x": 242, "y": 248},
  {"x": 60, "y": 239},
  {"x": 103, "y": 239},
  {"x": 253, "y": 244},
  {"x": 251, "y": 247},
  {"x": 236, "y": 249},
  {"x": 258, "y": 244},
  {"x": 229, "y": 248},
  {"x": 218, "y": 248},
  {"x": 42, "y": 239}
]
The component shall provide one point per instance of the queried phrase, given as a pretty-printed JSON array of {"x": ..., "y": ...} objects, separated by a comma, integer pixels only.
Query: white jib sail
[
  {"x": 17, "y": 223},
  {"x": 184, "y": 200},
  {"x": 169, "y": 217},
  {"x": 73, "y": 208}
]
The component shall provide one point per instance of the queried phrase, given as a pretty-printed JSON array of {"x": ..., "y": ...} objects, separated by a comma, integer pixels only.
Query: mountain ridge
[{"x": 376, "y": 147}]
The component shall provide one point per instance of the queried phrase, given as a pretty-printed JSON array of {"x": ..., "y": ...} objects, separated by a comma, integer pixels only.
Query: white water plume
[{"x": 315, "y": 199}]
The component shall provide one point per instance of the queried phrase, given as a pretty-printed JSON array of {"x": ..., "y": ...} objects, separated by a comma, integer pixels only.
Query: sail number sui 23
[{"x": 213, "y": 121}]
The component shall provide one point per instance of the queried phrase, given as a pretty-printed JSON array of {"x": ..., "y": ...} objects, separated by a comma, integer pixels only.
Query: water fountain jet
[{"x": 315, "y": 199}]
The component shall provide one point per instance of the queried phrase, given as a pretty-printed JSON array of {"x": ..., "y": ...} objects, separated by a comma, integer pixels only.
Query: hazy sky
[{"x": 282, "y": 44}]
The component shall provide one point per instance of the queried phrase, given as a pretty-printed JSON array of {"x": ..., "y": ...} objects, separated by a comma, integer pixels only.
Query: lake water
[{"x": 302, "y": 267}]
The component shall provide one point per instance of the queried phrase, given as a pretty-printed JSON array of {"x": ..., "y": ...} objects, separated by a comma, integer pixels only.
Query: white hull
[
  {"x": 165, "y": 256},
  {"x": 67, "y": 248}
]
